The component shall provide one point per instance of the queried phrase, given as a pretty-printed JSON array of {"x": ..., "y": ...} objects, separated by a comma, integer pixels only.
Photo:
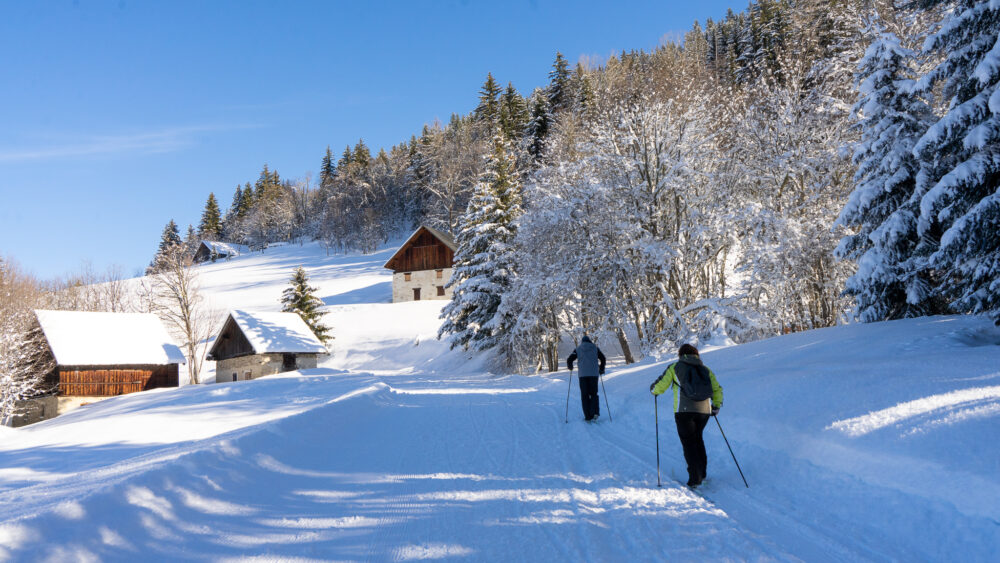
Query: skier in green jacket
[{"x": 697, "y": 396}]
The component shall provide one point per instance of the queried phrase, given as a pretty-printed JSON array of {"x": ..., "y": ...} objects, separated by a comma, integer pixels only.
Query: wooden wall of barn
[
  {"x": 231, "y": 343},
  {"x": 424, "y": 252},
  {"x": 104, "y": 381}
]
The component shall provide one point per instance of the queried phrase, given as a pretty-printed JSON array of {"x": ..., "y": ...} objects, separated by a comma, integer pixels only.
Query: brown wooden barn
[
  {"x": 422, "y": 266},
  {"x": 255, "y": 344},
  {"x": 104, "y": 354},
  {"x": 211, "y": 251}
]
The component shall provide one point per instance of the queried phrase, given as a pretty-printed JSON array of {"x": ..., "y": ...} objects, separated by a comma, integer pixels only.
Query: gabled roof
[
  {"x": 275, "y": 333},
  {"x": 221, "y": 248},
  {"x": 442, "y": 236},
  {"x": 79, "y": 338}
]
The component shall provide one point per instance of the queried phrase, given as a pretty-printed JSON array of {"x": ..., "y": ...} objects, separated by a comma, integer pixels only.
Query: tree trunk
[{"x": 623, "y": 342}]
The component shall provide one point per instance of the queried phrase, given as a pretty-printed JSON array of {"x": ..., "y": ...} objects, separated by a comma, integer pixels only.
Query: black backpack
[{"x": 695, "y": 382}]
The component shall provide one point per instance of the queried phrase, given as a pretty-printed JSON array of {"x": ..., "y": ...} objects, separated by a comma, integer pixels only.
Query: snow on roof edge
[{"x": 87, "y": 338}]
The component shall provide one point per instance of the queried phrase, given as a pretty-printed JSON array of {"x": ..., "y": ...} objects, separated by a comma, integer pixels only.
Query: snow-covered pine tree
[
  {"x": 170, "y": 238},
  {"x": 558, "y": 90},
  {"x": 488, "y": 110},
  {"x": 961, "y": 157},
  {"x": 513, "y": 114},
  {"x": 301, "y": 298},
  {"x": 538, "y": 126},
  {"x": 484, "y": 261},
  {"x": 210, "y": 227},
  {"x": 327, "y": 170},
  {"x": 191, "y": 241},
  {"x": 882, "y": 208}
]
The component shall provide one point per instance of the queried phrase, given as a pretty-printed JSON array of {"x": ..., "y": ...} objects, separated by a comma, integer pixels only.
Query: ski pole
[
  {"x": 730, "y": 450},
  {"x": 656, "y": 417},
  {"x": 605, "y": 391},
  {"x": 568, "y": 388}
]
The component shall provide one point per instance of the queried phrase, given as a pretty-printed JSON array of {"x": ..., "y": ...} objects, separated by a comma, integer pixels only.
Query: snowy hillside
[{"x": 866, "y": 442}]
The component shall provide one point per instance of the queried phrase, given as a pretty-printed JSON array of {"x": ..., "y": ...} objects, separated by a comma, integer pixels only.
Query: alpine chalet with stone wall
[
  {"x": 422, "y": 266},
  {"x": 255, "y": 344}
]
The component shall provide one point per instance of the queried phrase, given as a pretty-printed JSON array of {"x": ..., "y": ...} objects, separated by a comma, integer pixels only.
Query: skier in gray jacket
[{"x": 591, "y": 362}]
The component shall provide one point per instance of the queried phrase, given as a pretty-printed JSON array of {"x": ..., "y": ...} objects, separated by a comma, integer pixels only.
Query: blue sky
[{"x": 116, "y": 117}]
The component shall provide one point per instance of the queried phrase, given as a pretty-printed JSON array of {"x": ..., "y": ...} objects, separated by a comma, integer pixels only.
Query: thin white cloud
[{"x": 165, "y": 140}]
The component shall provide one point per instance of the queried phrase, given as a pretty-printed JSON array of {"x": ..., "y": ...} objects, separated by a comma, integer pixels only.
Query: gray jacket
[{"x": 591, "y": 360}]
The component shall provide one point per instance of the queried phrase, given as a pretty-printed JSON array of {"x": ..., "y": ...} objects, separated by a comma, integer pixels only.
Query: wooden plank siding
[
  {"x": 424, "y": 252},
  {"x": 105, "y": 381},
  {"x": 231, "y": 343}
]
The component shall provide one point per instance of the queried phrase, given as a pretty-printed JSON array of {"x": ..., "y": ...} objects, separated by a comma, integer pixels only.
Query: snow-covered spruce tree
[
  {"x": 537, "y": 129},
  {"x": 301, "y": 298},
  {"x": 558, "y": 88},
  {"x": 484, "y": 263},
  {"x": 191, "y": 241},
  {"x": 960, "y": 155},
  {"x": 210, "y": 227},
  {"x": 170, "y": 238},
  {"x": 882, "y": 208}
]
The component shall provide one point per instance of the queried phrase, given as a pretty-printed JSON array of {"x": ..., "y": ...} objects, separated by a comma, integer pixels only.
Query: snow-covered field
[{"x": 864, "y": 442}]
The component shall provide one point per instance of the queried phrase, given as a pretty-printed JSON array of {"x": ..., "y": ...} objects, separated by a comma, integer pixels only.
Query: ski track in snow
[{"x": 859, "y": 443}]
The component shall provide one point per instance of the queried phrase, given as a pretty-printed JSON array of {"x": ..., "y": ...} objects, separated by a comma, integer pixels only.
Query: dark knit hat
[{"x": 687, "y": 350}]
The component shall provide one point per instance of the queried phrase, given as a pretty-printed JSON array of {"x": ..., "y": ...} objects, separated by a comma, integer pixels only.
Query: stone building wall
[
  {"x": 36, "y": 410},
  {"x": 427, "y": 280},
  {"x": 259, "y": 365}
]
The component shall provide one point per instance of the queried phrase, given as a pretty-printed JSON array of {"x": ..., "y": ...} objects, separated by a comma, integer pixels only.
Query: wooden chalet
[
  {"x": 210, "y": 250},
  {"x": 105, "y": 354},
  {"x": 422, "y": 266},
  {"x": 255, "y": 344}
]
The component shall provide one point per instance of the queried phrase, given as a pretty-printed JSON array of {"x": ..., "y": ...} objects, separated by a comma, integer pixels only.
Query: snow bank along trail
[{"x": 420, "y": 469}]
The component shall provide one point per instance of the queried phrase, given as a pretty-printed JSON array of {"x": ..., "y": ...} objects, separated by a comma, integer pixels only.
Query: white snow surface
[
  {"x": 275, "y": 332},
  {"x": 872, "y": 442},
  {"x": 79, "y": 338}
]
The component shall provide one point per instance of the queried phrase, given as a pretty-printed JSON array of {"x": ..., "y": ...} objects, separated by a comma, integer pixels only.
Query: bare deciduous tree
[{"x": 179, "y": 303}]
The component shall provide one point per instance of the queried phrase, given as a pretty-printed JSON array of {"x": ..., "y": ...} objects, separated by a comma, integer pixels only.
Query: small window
[
  {"x": 440, "y": 291},
  {"x": 439, "y": 274},
  {"x": 406, "y": 276},
  {"x": 416, "y": 294},
  {"x": 247, "y": 375}
]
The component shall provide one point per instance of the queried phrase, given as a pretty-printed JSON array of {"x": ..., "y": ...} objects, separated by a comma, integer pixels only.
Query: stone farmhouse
[
  {"x": 255, "y": 344},
  {"x": 422, "y": 266}
]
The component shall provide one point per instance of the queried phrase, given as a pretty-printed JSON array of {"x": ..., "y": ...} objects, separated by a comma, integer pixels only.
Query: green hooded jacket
[{"x": 669, "y": 380}]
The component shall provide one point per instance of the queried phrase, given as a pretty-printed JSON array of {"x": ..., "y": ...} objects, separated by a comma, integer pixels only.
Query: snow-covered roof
[
  {"x": 221, "y": 248},
  {"x": 277, "y": 333},
  {"x": 79, "y": 338}
]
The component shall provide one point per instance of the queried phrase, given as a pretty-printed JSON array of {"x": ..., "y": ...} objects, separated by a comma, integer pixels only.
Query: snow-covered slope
[{"x": 864, "y": 442}]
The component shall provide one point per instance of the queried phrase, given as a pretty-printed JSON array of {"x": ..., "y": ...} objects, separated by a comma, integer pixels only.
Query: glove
[
  {"x": 715, "y": 410},
  {"x": 601, "y": 371},
  {"x": 651, "y": 386}
]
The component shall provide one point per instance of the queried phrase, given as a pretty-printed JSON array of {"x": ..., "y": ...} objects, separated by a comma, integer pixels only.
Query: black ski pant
[
  {"x": 690, "y": 426},
  {"x": 589, "y": 398}
]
